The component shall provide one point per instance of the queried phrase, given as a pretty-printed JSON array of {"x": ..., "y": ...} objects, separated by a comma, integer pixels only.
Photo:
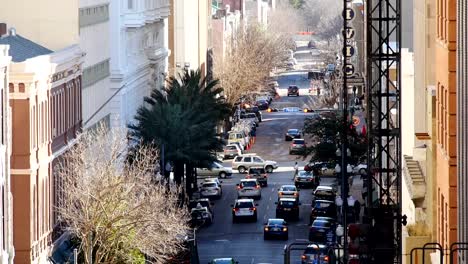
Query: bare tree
[
  {"x": 113, "y": 207},
  {"x": 324, "y": 17},
  {"x": 253, "y": 53}
]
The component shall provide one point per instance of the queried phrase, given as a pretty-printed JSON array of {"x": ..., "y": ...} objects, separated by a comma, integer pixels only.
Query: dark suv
[
  {"x": 293, "y": 90},
  {"x": 287, "y": 208}
]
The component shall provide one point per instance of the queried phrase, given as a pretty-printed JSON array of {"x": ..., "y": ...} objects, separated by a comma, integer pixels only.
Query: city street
[{"x": 244, "y": 241}]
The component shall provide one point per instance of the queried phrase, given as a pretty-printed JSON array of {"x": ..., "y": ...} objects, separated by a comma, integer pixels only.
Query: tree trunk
[
  {"x": 178, "y": 172},
  {"x": 189, "y": 175}
]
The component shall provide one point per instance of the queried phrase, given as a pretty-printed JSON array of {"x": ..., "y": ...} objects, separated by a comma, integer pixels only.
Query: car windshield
[
  {"x": 305, "y": 174},
  {"x": 324, "y": 193},
  {"x": 233, "y": 136},
  {"x": 321, "y": 223},
  {"x": 231, "y": 147},
  {"x": 217, "y": 165},
  {"x": 248, "y": 184},
  {"x": 299, "y": 141},
  {"x": 257, "y": 170},
  {"x": 209, "y": 184},
  {"x": 288, "y": 188},
  {"x": 244, "y": 205},
  {"x": 287, "y": 203},
  {"x": 275, "y": 221},
  {"x": 222, "y": 261},
  {"x": 293, "y": 131},
  {"x": 322, "y": 205}
]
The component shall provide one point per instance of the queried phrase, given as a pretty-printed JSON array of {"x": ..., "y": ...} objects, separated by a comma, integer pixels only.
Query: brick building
[{"x": 45, "y": 97}]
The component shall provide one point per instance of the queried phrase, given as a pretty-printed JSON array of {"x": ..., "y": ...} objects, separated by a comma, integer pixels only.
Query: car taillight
[
  {"x": 235, "y": 209},
  {"x": 296, "y": 194},
  {"x": 248, "y": 176},
  {"x": 266, "y": 228},
  {"x": 253, "y": 209},
  {"x": 280, "y": 193},
  {"x": 257, "y": 187},
  {"x": 325, "y": 258},
  {"x": 304, "y": 257},
  {"x": 285, "y": 229},
  {"x": 239, "y": 187}
]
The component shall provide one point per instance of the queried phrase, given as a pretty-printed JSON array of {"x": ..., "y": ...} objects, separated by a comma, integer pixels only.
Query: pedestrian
[
  {"x": 296, "y": 169},
  {"x": 167, "y": 171}
]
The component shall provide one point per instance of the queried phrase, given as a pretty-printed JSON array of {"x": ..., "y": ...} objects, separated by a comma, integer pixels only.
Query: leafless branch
[{"x": 113, "y": 207}]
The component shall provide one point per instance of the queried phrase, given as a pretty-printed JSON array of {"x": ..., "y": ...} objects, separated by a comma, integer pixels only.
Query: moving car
[
  {"x": 323, "y": 192},
  {"x": 322, "y": 208},
  {"x": 244, "y": 209},
  {"x": 323, "y": 168},
  {"x": 231, "y": 151},
  {"x": 293, "y": 90},
  {"x": 316, "y": 254},
  {"x": 319, "y": 230},
  {"x": 287, "y": 208},
  {"x": 288, "y": 191},
  {"x": 298, "y": 146},
  {"x": 223, "y": 261},
  {"x": 306, "y": 179},
  {"x": 251, "y": 117},
  {"x": 217, "y": 169},
  {"x": 275, "y": 227},
  {"x": 211, "y": 189},
  {"x": 245, "y": 161},
  {"x": 258, "y": 173},
  {"x": 249, "y": 188},
  {"x": 292, "y": 134}
]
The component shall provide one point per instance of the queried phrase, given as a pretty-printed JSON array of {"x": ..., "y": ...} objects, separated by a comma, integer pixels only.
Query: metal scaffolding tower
[{"x": 383, "y": 21}]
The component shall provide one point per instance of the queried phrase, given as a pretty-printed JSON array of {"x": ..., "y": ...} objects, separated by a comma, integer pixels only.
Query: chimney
[{"x": 3, "y": 29}]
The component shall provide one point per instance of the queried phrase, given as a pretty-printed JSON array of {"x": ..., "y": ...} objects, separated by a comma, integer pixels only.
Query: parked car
[
  {"x": 306, "y": 179},
  {"x": 275, "y": 227},
  {"x": 293, "y": 90},
  {"x": 320, "y": 229},
  {"x": 287, "y": 208},
  {"x": 262, "y": 104},
  {"x": 258, "y": 173},
  {"x": 316, "y": 254},
  {"x": 323, "y": 168},
  {"x": 231, "y": 151},
  {"x": 204, "y": 202},
  {"x": 298, "y": 146},
  {"x": 256, "y": 111},
  {"x": 251, "y": 117},
  {"x": 238, "y": 136},
  {"x": 245, "y": 161},
  {"x": 360, "y": 169},
  {"x": 211, "y": 189},
  {"x": 244, "y": 209},
  {"x": 201, "y": 216},
  {"x": 292, "y": 133},
  {"x": 216, "y": 169},
  {"x": 288, "y": 191},
  {"x": 322, "y": 208},
  {"x": 249, "y": 188}
]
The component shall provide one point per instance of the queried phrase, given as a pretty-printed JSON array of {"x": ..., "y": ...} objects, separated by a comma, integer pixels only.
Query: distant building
[{"x": 45, "y": 99}]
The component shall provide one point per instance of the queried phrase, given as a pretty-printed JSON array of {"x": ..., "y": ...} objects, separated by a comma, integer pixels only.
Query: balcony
[{"x": 140, "y": 12}]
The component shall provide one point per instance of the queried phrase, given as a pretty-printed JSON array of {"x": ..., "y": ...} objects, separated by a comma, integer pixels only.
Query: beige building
[
  {"x": 6, "y": 203},
  {"x": 419, "y": 134},
  {"x": 189, "y": 34}
]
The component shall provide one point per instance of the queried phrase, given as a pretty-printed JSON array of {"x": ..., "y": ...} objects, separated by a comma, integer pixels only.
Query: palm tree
[{"x": 182, "y": 118}]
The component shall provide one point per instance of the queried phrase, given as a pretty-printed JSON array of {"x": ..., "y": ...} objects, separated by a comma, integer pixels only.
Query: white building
[
  {"x": 138, "y": 51},
  {"x": 257, "y": 11},
  {"x": 95, "y": 42},
  {"x": 7, "y": 251}
]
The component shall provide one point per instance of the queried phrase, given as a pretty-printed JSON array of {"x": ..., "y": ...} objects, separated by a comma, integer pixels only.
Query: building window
[
  {"x": 95, "y": 73},
  {"x": 93, "y": 15}
]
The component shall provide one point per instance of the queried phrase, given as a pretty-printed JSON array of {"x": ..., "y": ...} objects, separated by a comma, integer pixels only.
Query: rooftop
[{"x": 22, "y": 48}]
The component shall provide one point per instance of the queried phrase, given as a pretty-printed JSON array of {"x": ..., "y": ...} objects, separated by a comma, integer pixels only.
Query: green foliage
[
  {"x": 182, "y": 118},
  {"x": 327, "y": 132},
  {"x": 297, "y": 3}
]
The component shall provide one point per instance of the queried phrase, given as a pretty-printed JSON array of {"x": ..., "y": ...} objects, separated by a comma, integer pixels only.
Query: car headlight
[{"x": 266, "y": 229}]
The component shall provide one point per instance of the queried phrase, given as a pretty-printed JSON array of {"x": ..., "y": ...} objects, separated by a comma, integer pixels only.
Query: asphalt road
[{"x": 244, "y": 241}]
